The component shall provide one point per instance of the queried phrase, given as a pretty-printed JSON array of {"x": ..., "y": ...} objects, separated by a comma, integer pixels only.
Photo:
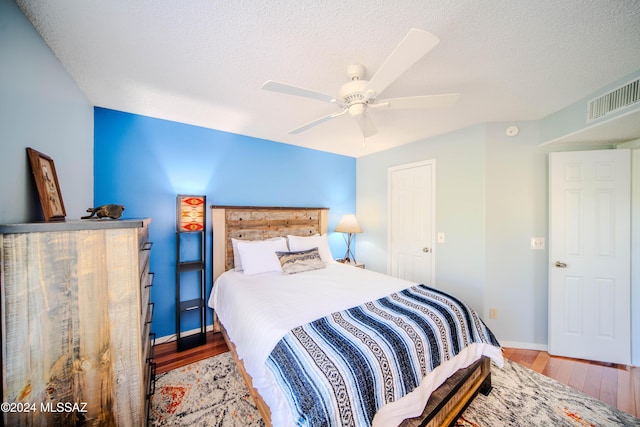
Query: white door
[
  {"x": 589, "y": 271},
  {"x": 411, "y": 221}
]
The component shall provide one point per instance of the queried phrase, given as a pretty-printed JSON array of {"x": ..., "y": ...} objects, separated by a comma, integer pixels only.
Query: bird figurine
[{"x": 108, "y": 211}]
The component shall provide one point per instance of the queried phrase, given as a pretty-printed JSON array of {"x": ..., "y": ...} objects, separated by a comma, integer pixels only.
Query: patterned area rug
[
  {"x": 207, "y": 393},
  {"x": 212, "y": 393}
]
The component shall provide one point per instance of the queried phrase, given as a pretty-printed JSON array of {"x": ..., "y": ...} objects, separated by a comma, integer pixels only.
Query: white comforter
[{"x": 257, "y": 311}]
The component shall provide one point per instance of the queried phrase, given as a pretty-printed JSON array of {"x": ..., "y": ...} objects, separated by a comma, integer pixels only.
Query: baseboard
[
  {"x": 508, "y": 344},
  {"x": 524, "y": 345},
  {"x": 169, "y": 338}
]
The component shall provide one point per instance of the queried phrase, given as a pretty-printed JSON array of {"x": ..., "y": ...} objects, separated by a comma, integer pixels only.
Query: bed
[{"x": 281, "y": 328}]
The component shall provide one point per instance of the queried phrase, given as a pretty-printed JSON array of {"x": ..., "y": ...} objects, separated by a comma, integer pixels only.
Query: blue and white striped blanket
[{"x": 340, "y": 369}]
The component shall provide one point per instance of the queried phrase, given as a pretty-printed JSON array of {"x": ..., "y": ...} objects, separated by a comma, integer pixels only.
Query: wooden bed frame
[{"x": 256, "y": 223}]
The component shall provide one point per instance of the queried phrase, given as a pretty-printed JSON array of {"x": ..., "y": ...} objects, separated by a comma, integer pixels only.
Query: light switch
[
  {"x": 537, "y": 243},
  {"x": 440, "y": 237}
]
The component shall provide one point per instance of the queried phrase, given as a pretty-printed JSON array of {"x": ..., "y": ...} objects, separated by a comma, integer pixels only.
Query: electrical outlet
[{"x": 493, "y": 313}]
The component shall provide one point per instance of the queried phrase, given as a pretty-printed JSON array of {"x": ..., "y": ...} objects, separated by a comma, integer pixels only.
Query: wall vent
[{"x": 615, "y": 100}]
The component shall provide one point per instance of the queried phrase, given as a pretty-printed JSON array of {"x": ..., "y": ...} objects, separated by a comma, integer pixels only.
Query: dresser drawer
[
  {"x": 150, "y": 381},
  {"x": 147, "y": 343},
  {"x": 145, "y": 292},
  {"x": 143, "y": 236},
  {"x": 144, "y": 247},
  {"x": 143, "y": 259},
  {"x": 146, "y": 319}
]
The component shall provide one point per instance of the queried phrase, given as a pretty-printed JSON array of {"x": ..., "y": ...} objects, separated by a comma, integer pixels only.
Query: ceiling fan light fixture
[
  {"x": 353, "y": 91},
  {"x": 356, "y": 109}
]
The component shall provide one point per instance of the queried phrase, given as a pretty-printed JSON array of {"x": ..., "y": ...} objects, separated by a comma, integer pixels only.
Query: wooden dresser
[{"x": 76, "y": 323}]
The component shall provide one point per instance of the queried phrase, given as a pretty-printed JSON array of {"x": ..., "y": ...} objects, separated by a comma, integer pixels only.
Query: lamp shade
[
  {"x": 348, "y": 224},
  {"x": 190, "y": 213}
]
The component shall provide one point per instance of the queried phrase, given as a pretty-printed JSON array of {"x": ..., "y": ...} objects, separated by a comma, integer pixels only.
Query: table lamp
[{"x": 349, "y": 224}]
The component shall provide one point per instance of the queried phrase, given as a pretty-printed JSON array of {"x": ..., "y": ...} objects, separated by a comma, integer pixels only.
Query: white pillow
[
  {"x": 299, "y": 243},
  {"x": 260, "y": 256},
  {"x": 237, "y": 259},
  {"x": 237, "y": 263}
]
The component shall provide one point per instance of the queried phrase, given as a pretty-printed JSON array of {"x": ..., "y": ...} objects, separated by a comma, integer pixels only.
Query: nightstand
[{"x": 354, "y": 264}]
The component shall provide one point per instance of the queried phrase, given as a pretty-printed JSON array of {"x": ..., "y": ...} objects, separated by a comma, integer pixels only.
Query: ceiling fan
[{"x": 358, "y": 96}]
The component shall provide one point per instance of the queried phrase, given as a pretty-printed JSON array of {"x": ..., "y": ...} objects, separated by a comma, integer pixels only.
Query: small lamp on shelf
[
  {"x": 349, "y": 224},
  {"x": 190, "y": 215},
  {"x": 190, "y": 259}
]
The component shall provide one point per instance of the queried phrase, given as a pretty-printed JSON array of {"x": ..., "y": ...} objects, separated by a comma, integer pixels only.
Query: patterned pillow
[{"x": 297, "y": 262}]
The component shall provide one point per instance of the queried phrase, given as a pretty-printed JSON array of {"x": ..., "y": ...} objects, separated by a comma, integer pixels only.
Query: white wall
[
  {"x": 460, "y": 175},
  {"x": 573, "y": 118},
  {"x": 491, "y": 196},
  {"x": 491, "y": 193},
  {"x": 40, "y": 107},
  {"x": 516, "y": 211}
]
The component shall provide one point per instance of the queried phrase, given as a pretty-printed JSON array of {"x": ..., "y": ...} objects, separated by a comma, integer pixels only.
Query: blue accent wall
[{"x": 144, "y": 163}]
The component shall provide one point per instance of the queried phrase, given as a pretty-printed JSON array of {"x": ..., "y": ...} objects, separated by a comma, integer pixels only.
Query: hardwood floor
[
  {"x": 618, "y": 385},
  {"x": 167, "y": 356}
]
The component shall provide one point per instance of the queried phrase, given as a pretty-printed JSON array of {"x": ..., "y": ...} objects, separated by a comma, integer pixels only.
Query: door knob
[
  {"x": 561, "y": 264},
  {"x": 426, "y": 250}
]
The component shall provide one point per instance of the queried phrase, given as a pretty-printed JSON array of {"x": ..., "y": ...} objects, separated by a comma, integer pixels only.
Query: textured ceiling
[{"x": 204, "y": 62}]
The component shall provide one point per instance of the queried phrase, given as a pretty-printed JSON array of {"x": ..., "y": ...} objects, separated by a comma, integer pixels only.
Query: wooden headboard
[{"x": 259, "y": 223}]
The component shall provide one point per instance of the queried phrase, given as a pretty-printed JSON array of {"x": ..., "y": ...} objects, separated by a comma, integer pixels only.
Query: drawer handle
[
  {"x": 152, "y": 306},
  {"x": 152, "y": 351},
  {"x": 152, "y": 379},
  {"x": 147, "y": 246},
  {"x": 150, "y": 281},
  {"x": 154, "y": 366},
  {"x": 152, "y": 338}
]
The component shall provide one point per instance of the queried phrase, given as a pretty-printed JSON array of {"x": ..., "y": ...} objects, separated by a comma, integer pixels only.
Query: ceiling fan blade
[
  {"x": 414, "y": 102},
  {"x": 297, "y": 91},
  {"x": 367, "y": 126},
  {"x": 414, "y": 46},
  {"x": 316, "y": 122}
]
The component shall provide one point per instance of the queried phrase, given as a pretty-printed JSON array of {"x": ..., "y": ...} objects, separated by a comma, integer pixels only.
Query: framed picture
[{"x": 44, "y": 172}]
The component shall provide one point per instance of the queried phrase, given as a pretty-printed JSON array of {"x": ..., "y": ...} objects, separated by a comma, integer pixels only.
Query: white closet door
[
  {"x": 411, "y": 221},
  {"x": 589, "y": 271}
]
